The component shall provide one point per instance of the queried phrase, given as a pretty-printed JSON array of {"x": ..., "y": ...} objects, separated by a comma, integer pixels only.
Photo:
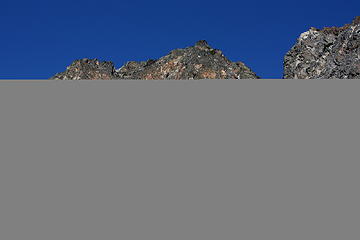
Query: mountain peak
[
  {"x": 87, "y": 69},
  {"x": 197, "y": 62},
  {"x": 202, "y": 43}
]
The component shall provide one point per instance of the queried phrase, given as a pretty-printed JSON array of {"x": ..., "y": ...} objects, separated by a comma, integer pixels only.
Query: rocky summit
[
  {"x": 87, "y": 69},
  {"x": 196, "y": 62},
  {"x": 328, "y": 53}
]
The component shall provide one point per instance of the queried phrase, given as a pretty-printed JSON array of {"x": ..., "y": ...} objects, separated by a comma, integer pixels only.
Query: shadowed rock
[
  {"x": 196, "y": 62},
  {"x": 331, "y": 52}
]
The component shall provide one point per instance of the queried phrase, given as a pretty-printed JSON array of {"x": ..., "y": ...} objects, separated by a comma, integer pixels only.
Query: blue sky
[{"x": 41, "y": 38}]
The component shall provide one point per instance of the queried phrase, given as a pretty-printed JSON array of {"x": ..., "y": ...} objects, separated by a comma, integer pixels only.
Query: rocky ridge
[
  {"x": 328, "y": 53},
  {"x": 200, "y": 61},
  {"x": 87, "y": 69}
]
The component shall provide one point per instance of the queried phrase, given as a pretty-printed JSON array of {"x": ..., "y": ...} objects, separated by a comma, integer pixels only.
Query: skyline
[{"x": 43, "y": 38}]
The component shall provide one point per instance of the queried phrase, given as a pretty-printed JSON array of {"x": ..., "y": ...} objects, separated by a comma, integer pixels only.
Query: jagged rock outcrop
[
  {"x": 332, "y": 52},
  {"x": 197, "y": 62},
  {"x": 87, "y": 69}
]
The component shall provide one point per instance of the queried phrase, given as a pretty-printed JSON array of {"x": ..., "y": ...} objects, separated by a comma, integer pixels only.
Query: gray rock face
[
  {"x": 197, "y": 62},
  {"x": 325, "y": 54},
  {"x": 87, "y": 69}
]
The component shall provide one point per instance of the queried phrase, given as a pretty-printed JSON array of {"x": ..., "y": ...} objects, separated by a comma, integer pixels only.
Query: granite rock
[
  {"x": 196, "y": 62},
  {"x": 87, "y": 69},
  {"x": 328, "y": 53}
]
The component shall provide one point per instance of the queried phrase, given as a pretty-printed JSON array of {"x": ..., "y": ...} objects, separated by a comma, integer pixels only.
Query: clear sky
[{"x": 41, "y": 38}]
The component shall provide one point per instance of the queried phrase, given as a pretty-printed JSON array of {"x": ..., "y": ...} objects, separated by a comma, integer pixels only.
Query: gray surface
[
  {"x": 169, "y": 160},
  {"x": 332, "y": 52}
]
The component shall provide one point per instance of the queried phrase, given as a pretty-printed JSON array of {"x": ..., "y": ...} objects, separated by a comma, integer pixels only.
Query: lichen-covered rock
[
  {"x": 329, "y": 53},
  {"x": 196, "y": 62},
  {"x": 87, "y": 69}
]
